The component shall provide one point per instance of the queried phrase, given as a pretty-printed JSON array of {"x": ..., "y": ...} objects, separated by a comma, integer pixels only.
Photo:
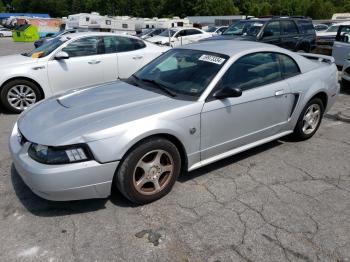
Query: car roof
[
  {"x": 81, "y": 34},
  {"x": 342, "y": 23},
  {"x": 180, "y": 28},
  {"x": 231, "y": 47}
]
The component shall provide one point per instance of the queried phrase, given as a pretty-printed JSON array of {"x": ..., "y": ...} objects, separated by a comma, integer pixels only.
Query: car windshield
[
  {"x": 46, "y": 49},
  {"x": 251, "y": 28},
  {"x": 182, "y": 73},
  {"x": 333, "y": 28},
  {"x": 211, "y": 29},
  {"x": 166, "y": 32},
  {"x": 145, "y": 32},
  {"x": 57, "y": 34}
]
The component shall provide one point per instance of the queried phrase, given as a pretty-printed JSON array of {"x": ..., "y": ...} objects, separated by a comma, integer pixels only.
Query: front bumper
[{"x": 76, "y": 181}]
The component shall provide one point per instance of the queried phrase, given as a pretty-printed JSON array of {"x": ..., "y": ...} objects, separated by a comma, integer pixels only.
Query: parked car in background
[
  {"x": 216, "y": 30},
  {"x": 327, "y": 37},
  {"x": 296, "y": 34},
  {"x": 43, "y": 40},
  {"x": 320, "y": 27},
  {"x": 188, "y": 108},
  {"x": 5, "y": 32},
  {"x": 341, "y": 46},
  {"x": 71, "y": 61},
  {"x": 147, "y": 33},
  {"x": 179, "y": 36}
]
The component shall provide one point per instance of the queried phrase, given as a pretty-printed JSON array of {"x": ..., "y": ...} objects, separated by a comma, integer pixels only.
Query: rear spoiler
[{"x": 319, "y": 58}]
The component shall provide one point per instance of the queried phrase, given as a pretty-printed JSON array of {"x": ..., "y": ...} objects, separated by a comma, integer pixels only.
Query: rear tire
[
  {"x": 149, "y": 171},
  {"x": 18, "y": 95},
  {"x": 1, "y": 35},
  {"x": 309, "y": 119}
]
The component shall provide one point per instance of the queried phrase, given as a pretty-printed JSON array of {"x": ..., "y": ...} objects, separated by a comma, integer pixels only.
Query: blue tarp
[{"x": 7, "y": 15}]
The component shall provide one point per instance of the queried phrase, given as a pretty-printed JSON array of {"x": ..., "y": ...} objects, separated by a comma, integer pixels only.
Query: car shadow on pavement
[
  {"x": 344, "y": 90},
  {"x": 5, "y": 112},
  {"x": 228, "y": 161}
]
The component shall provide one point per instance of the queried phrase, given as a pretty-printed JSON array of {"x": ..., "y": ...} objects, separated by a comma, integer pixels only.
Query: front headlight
[{"x": 59, "y": 155}]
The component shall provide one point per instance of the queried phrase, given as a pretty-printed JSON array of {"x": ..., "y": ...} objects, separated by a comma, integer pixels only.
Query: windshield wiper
[{"x": 159, "y": 85}]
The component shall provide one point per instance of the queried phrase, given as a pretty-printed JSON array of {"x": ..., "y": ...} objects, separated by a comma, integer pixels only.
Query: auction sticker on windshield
[{"x": 212, "y": 59}]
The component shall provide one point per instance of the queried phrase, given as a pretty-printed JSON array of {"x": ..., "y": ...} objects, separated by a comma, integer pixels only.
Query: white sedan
[
  {"x": 5, "y": 32},
  {"x": 69, "y": 62},
  {"x": 179, "y": 36}
]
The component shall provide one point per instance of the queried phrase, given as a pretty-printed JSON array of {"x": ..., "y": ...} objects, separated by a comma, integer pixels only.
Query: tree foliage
[
  {"x": 2, "y": 7},
  {"x": 316, "y": 9}
]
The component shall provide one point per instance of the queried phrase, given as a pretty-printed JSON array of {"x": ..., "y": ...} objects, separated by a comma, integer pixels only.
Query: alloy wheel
[
  {"x": 153, "y": 172},
  {"x": 21, "y": 97},
  {"x": 311, "y": 119}
]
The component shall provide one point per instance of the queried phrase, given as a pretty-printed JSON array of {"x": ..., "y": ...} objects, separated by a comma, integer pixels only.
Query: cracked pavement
[{"x": 283, "y": 201}]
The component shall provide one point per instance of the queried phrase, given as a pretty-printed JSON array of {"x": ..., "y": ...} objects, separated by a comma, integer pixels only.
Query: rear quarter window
[
  {"x": 125, "y": 44},
  {"x": 289, "y": 67}
]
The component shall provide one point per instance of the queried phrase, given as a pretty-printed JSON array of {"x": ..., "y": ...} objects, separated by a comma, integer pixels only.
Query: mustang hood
[{"x": 70, "y": 118}]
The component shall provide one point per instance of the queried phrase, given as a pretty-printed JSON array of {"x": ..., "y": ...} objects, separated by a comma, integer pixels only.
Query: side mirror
[
  {"x": 267, "y": 33},
  {"x": 228, "y": 92},
  {"x": 61, "y": 55}
]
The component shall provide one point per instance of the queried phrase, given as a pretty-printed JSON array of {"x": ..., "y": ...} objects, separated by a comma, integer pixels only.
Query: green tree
[
  {"x": 317, "y": 9},
  {"x": 2, "y": 7},
  {"x": 321, "y": 9}
]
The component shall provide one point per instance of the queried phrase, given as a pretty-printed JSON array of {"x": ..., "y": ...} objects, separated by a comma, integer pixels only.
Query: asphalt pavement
[{"x": 283, "y": 201}]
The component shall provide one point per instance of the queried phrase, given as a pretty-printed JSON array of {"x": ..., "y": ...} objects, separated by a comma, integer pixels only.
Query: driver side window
[
  {"x": 252, "y": 71},
  {"x": 273, "y": 28},
  {"x": 181, "y": 33},
  {"x": 84, "y": 47}
]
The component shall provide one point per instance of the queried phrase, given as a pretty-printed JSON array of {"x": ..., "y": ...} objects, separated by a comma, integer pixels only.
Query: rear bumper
[{"x": 62, "y": 182}]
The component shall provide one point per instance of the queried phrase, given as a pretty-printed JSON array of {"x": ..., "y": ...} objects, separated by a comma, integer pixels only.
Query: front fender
[
  {"x": 39, "y": 76},
  {"x": 115, "y": 147}
]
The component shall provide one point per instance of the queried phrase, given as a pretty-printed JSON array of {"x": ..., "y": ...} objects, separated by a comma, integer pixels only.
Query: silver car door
[
  {"x": 341, "y": 46},
  {"x": 261, "y": 111}
]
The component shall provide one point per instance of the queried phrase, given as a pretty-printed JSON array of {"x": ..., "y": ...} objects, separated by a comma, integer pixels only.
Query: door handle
[
  {"x": 279, "y": 93},
  {"x": 137, "y": 57},
  {"x": 94, "y": 62}
]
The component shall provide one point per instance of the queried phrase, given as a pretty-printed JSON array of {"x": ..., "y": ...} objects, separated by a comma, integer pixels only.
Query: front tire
[
  {"x": 149, "y": 171},
  {"x": 18, "y": 95},
  {"x": 309, "y": 119}
]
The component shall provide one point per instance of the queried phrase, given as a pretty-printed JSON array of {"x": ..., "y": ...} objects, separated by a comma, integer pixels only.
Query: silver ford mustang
[{"x": 188, "y": 108}]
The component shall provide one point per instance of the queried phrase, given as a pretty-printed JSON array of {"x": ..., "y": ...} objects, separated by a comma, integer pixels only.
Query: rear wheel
[
  {"x": 18, "y": 95},
  {"x": 309, "y": 119},
  {"x": 1, "y": 35},
  {"x": 149, "y": 171}
]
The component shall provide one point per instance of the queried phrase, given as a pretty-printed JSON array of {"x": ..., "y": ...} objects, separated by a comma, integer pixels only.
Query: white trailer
[{"x": 93, "y": 21}]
